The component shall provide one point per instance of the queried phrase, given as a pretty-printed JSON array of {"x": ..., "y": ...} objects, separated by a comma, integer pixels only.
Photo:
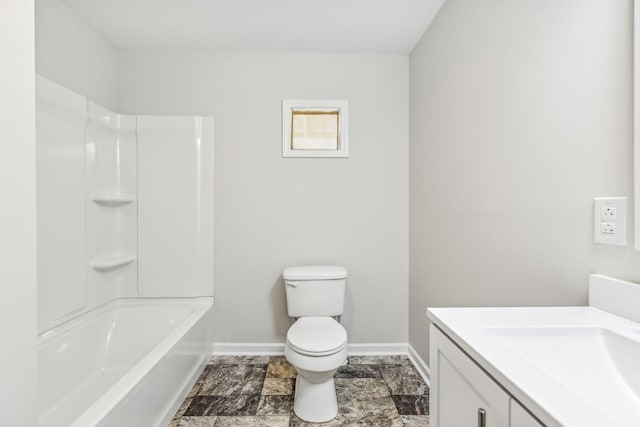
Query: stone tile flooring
[{"x": 379, "y": 391}]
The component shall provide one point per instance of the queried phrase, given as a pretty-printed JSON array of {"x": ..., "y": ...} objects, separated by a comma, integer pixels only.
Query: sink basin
[{"x": 596, "y": 363}]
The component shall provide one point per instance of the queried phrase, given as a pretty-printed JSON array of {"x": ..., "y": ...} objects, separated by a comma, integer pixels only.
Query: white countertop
[{"x": 571, "y": 366}]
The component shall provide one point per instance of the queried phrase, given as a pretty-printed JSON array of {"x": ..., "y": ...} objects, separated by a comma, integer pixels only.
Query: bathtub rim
[
  {"x": 67, "y": 324},
  {"x": 118, "y": 391}
]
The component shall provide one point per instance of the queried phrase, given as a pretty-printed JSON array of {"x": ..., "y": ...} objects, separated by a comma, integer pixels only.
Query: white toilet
[{"x": 316, "y": 343}]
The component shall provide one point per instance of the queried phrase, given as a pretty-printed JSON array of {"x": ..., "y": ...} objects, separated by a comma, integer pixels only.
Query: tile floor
[{"x": 380, "y": 391}]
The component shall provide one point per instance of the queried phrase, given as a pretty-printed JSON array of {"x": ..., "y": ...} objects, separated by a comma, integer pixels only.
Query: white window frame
[{"x": 341, "y": 105}]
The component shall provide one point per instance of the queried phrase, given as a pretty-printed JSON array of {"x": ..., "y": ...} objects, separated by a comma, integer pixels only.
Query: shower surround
[{"x": 125, "y": 217}]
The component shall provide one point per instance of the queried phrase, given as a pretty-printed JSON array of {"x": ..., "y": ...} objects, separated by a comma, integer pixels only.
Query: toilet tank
[{"x": 315, "y": 290}]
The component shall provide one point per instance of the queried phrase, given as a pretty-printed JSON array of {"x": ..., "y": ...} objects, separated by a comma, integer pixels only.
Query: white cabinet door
[
  {"x": 460, "y": 390},
  {"x": 520, "y": 417}
]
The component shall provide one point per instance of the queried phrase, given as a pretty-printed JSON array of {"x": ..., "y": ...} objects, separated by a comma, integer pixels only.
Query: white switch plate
[{"x": 610, "y": 220}]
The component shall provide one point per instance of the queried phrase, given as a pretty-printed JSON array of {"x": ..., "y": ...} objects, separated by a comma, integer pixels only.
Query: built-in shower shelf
[
  {"x": 112, "y": 199},
  {"x": 109, "y": 263}
]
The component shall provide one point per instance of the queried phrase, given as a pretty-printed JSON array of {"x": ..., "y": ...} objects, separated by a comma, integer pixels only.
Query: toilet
[{"x": 316, "y": 343}]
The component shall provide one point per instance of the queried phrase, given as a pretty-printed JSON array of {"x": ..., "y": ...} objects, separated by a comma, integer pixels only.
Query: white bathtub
[{"x": 127, "y": 363}]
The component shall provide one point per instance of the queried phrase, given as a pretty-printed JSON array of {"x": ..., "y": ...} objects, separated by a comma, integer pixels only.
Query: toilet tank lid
[{"x": 315, "y": 272}]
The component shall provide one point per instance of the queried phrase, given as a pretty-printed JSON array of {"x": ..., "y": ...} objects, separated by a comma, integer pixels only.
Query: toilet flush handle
[{"x": 293, "y": 284}]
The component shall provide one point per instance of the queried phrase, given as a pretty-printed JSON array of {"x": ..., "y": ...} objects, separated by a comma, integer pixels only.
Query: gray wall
[
  {"x": 18, "y": 216},
  {"x": 521, "y": 114},
  {"x": 71, "y": 54},
  {"x": 272, "y": 212}
]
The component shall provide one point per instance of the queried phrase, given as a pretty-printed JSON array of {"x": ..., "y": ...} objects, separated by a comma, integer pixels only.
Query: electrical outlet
[
  {"x": 608, "y": 228},
  {"x": 610, "y": 220},
  {"x": 608, "y": 212}
]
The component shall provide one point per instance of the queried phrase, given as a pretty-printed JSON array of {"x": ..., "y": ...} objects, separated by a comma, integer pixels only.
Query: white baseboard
[
  {"x": 247, "y": 349},
  {"x": 368, "y": 349},
  {"x": 275, "y": 349},
  {"x": 378, "y": 349},
  {"x": 420, "y": 364}
]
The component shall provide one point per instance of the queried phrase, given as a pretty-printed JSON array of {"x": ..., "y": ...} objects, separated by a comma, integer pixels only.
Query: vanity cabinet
[
  {"x": 519, "y": 417},
  {"x": 462, "y": 394}
]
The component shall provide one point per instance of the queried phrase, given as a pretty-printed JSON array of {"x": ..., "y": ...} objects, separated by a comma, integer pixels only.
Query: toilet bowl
[{"x": 316, "y": 347}]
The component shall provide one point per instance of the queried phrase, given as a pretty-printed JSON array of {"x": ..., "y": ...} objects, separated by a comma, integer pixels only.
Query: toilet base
[{"x": 315, "y": 402}]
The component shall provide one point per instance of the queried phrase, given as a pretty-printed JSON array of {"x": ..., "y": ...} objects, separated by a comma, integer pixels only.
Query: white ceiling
[{"x": 376, "y": 26}]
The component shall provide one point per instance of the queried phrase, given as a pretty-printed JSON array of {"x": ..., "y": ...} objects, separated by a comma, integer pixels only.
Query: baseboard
[
  {"x": 378, "y": 349},
  {"x": 274, "y": 349},
  {"x": 247, "y": 349},
  {"x": 420, "y": 364}
]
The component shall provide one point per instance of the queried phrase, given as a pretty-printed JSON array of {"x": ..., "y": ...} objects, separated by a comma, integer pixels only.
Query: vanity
[{"x": 539, "y": 366}]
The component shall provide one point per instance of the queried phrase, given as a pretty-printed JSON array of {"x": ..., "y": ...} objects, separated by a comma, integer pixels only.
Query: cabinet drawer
[{"x": 461, "y": 390}]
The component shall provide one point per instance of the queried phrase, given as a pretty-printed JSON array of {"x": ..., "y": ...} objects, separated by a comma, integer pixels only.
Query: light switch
[{"x": 610, "y": 220}]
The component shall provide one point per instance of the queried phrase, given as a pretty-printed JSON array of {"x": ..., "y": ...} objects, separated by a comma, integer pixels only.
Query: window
[{"x": 314, "y": 128}]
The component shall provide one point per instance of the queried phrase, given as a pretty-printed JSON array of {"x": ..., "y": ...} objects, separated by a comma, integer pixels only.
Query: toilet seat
[{"x": 317, "y": 336}]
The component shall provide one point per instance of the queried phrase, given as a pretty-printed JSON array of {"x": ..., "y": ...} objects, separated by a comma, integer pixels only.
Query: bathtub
[{"x": 127, "y": 363}]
